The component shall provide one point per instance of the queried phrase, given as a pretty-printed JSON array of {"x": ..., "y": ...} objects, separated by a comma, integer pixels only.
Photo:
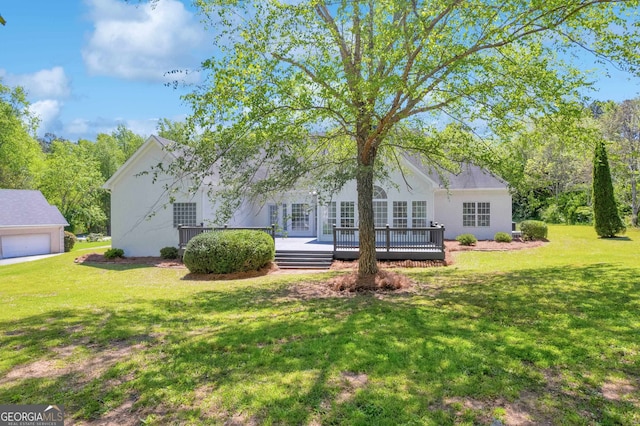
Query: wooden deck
[{"x": 391, "y": 243}]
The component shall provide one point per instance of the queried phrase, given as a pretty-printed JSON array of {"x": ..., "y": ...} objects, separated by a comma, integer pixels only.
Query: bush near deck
[{"x": 225, "y": 252}]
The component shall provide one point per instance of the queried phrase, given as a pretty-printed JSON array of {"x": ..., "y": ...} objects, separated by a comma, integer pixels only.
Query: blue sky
[{"x": 91, "y": 65}]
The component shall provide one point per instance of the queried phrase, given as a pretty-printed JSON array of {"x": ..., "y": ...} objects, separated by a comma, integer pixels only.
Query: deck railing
[
  {"x": 392, "y": 240},
  {"x": 186, "y": 233}
]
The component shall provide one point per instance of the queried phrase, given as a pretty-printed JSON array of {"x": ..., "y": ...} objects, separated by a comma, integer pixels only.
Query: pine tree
[{"x": 605, "y": 210}]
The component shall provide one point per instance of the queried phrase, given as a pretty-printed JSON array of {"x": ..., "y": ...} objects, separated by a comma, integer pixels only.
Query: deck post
[
  {"x": 273, "y": 231},
  {"x": 334, "y": 239},
  {"x": 388, "y": 239}
]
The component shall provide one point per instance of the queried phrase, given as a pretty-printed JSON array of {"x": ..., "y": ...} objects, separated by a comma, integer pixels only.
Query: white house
[
  {"x": 143, "y": 221},
  {"x": 29, "y": 225}
]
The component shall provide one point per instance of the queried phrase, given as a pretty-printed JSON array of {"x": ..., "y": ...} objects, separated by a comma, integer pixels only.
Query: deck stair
[{"x": 296, "y": 259}]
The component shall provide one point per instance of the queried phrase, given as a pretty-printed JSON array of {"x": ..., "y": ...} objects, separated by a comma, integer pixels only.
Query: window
[
  {"x": 484, "y": 214},
  {"x": 348, "y": 214},
  {"x": 380, "y": 214},
  {"x": 419, "y": 214},
  {"x": 379, "y": 193},
  {"x": 285, "y": 218},
  {"x": 299, "y": 217},
  {"x": 329, "y": 219},
  {"x": 273, "y": 214},
  {"x": 476, "y": 214},
  {"x": 184, "y": 214},
  {"x": 468, "y": 214},
  {"x": 399, "y": 214},
  {"x": 379, "y": 207}
]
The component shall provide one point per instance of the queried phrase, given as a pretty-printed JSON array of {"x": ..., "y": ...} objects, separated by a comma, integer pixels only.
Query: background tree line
[
  {"x": 69, "y": 174},
  {"x": 550, "y": 166}
]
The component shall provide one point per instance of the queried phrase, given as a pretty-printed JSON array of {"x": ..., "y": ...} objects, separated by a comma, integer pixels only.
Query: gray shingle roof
[
  {"x": 21, "y": 207},
  {"x": 470, "y": 177}
]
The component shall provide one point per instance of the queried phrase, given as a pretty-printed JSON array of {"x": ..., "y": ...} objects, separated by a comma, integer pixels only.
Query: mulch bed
[
  {"x": 385, "y": 280},
  {"x": 155, "y": 261},
  {"x": 338, "y": 265}
]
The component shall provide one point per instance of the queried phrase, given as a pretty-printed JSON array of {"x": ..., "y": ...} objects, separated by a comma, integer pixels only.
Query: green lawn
[{"x": 542, "y": 336}]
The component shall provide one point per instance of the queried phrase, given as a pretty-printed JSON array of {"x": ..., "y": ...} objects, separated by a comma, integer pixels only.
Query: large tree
[
  {"x": 72, "y": 181},
  {"x": 606, "y": 217},
  {"x": 546, "y": 167},
  {"x": 325, "y": 89},
  {"x": 20, "y": 155}
]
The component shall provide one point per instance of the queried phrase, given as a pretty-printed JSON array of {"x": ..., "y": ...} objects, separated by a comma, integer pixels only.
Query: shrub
[
  {"x": 552, "y": 214},
  {"x": 502, "y": 237},
  {"x": 112, "y": 253},
  {"x": 582, "y": 214},
  {"x": 69, "y": 241},
  {"x": 533, "y": 230},
  {"x": 224, "y": 252},
  {"x": 466, "y": 239},
  {"x": 94, "y": 237},
  {"x": 169, "y": 253}
]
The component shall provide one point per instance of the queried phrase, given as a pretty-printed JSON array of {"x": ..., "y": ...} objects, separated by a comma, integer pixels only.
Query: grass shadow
[
  {"x": 462, "y": 349},
  {"x": 616, "y": 238},
  {"x": 116, "y": 266}
]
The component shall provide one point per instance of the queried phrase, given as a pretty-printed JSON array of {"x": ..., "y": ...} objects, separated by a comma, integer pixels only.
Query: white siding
[
  {"x": 141, "y": 216},
  {"x": 449, "y": 211}
]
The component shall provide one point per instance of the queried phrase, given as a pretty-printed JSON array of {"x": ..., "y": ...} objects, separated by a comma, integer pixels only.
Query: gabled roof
[
  {"x": 162, "y": 142},
  {"x": 470, "y": 177},
  {"x": 20, "y": 207}
]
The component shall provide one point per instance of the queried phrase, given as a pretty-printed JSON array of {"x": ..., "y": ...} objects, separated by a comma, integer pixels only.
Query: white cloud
[
  {"x": 47, "y": 111},
  {"x": 47, "y": 83},
  {"x": 77, "y": 127},
  {"x": 142, "y": 41},
  {"x": 80, "y": 128},
  {"x": 143, "y": 127}
]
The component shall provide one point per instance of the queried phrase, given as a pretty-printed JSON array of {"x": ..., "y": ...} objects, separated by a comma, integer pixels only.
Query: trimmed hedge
[
  {"x": 169, "y": 253},
  {"x": 466, "y": 239},
  {"x": 533, "y": 230},
  {"x": 502, "y": 237},
  {"x": 225, "y": 252},
  {"x": 69, "y": 241}
]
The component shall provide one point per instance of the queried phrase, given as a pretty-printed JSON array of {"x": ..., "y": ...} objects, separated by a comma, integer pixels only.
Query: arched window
[
  {"x": 379, "y": 193},
  {"x": 379, "y": 207}
]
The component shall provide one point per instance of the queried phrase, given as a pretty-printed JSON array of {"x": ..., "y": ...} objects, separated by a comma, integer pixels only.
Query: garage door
[{"x": 25, "y": 245}]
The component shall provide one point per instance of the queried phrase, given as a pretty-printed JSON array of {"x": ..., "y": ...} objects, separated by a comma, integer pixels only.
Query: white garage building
[{"x": 29, "y": 225}]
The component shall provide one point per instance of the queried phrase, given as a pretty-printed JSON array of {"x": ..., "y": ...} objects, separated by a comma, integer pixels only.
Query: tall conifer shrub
[{"x": 605, "y": 210}]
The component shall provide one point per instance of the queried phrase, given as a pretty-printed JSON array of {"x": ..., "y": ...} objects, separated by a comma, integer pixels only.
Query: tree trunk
[
  {"x": 367, "y": 264},
  {"x": 634, "y": 201}
]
